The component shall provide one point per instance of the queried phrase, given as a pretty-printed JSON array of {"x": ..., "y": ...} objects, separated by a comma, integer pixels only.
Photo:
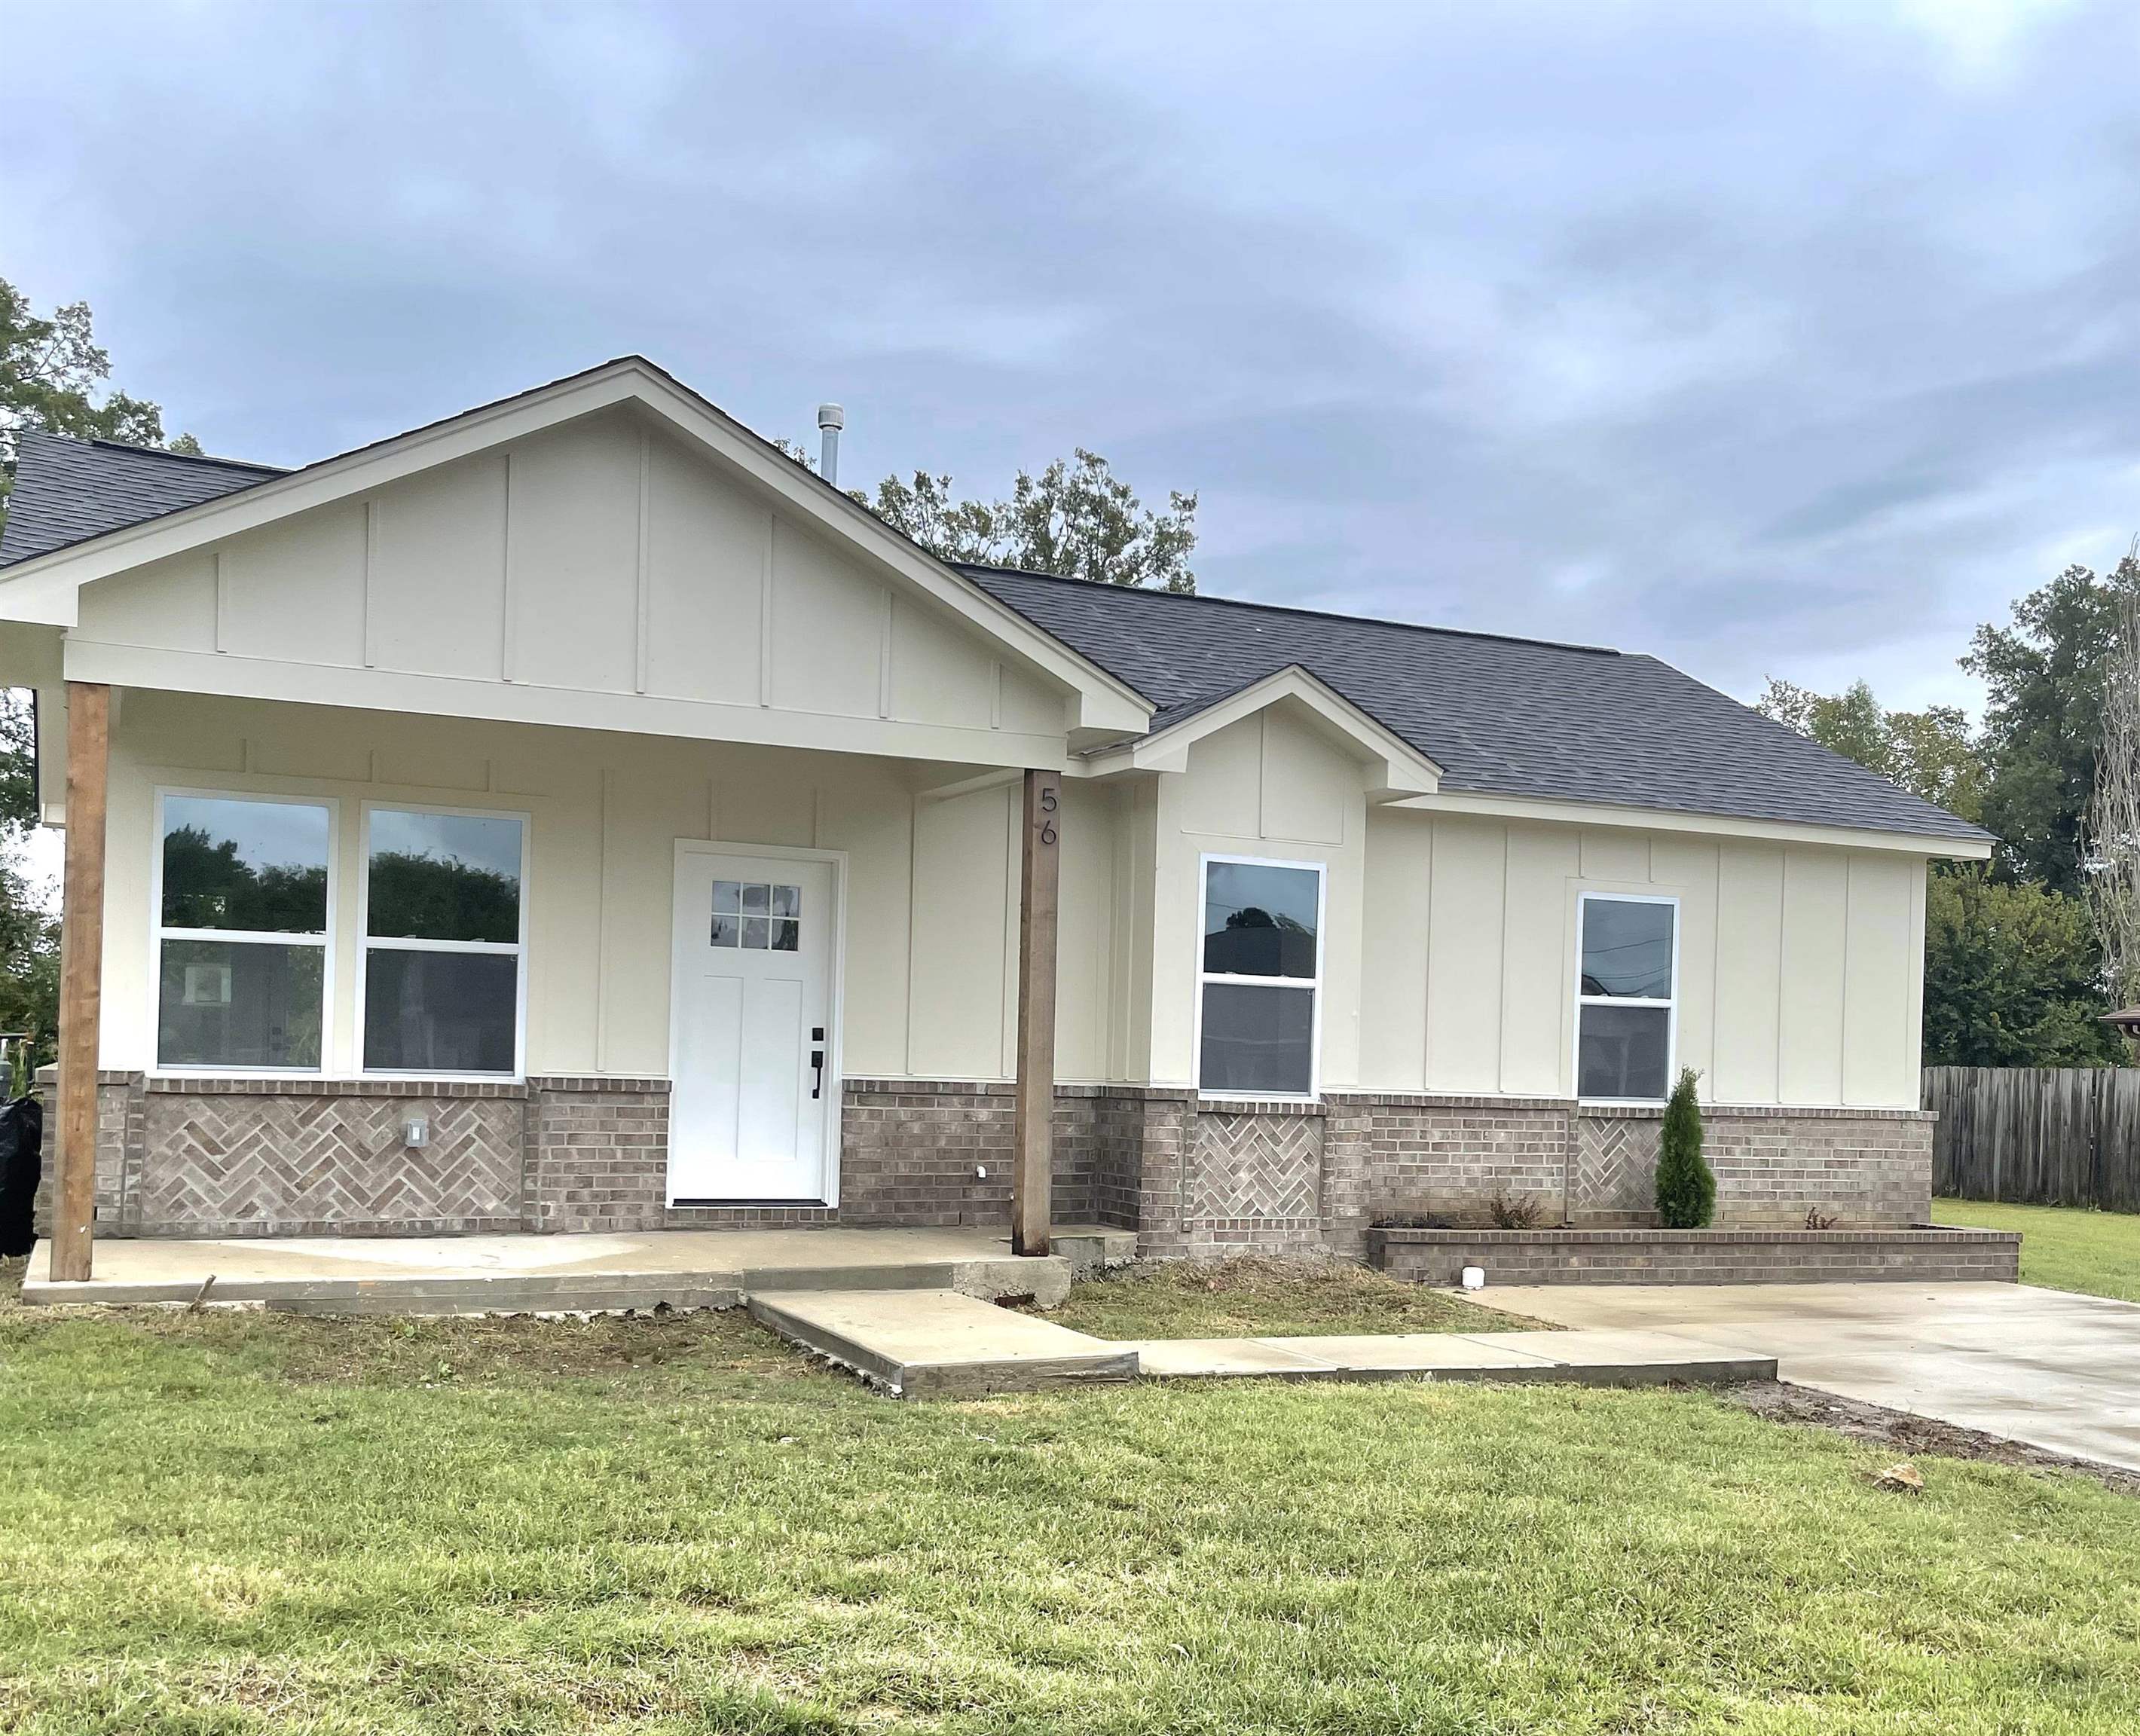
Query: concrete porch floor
[{"x": 569, "y": 1272}]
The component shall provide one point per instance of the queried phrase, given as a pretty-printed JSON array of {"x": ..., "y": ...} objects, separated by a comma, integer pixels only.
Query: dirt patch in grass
[
  {"x": 1263, "y": 1296},
  {"x": 432, "y": 1351},
  {"x": 1782, "y": 1402}
]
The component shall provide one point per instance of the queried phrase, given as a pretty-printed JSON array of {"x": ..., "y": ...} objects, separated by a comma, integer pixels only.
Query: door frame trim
[{"x": 835, "y": 1022}]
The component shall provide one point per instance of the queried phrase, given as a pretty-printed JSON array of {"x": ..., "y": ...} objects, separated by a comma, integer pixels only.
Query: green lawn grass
[
  {"x": 242, "y": 1523},
  {"x": 2063, "y": 1248},
  {"x": 1251, "y": 1297}
]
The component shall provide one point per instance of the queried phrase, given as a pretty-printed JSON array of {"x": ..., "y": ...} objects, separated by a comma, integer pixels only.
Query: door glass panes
[{"x": 756, "y": 916}]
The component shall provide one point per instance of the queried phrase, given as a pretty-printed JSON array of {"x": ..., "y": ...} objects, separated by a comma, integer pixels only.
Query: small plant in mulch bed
[
  {"x": 1515, "y": 1211},
  {"x": 1686, "y": 1187}
]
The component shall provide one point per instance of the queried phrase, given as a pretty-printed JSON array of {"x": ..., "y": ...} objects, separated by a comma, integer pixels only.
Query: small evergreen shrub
[{"x": 1687, "y": 1189}]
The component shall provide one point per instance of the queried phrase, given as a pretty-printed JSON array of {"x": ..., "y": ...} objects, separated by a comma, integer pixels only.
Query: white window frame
[
  {"x": 1312, "y": 985},
  {"x": 1583, "y": 902},
  {"x": 516, "y": 949},
  {"x": 159, "y": 933}
]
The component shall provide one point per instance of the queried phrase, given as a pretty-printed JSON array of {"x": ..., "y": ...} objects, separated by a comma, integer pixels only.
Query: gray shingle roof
[
  {"x": 1501, "y": 716},
  {"x": 1506, "y": 717},
  {"x": 67, "y": 491}
]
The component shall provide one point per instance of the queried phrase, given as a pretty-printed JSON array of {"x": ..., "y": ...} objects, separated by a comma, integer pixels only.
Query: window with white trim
[
  {"x": 444, "y": 941},
  {"x": 242, "y": 903},
  {"x": 1260, "y": 977},
  {"x": 1626, "y": 994}
]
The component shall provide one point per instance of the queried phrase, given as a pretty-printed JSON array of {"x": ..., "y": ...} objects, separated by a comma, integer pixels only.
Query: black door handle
[{"x": 817, "y": 1066}]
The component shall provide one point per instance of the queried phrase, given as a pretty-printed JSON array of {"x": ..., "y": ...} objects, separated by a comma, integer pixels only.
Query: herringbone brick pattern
[
  {"x": 1257, "y": 1180},
  {"x": 1616, "y": 1167},
  {"x": 238, "y": 1164}
]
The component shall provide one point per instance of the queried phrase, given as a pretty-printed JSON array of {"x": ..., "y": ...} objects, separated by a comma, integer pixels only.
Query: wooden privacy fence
[{"x": 2037, "y": 1135}]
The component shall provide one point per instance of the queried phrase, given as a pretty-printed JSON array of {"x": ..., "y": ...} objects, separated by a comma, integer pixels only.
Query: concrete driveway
[{"x": 2056, "y": 1370}]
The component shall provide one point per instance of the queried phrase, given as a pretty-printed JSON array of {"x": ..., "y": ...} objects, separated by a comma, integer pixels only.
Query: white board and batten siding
[
  {"x": 1450, "y": 940},
  {"x": 599, "y": 562}
]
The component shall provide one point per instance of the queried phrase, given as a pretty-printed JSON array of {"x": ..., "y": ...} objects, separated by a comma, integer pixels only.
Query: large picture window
[
  {"x": 242, "y": 903},
  {"x": 1261, "y": 978},
  {"x": 1626, "y": 991},
  {"x": 444, "y": 941}
]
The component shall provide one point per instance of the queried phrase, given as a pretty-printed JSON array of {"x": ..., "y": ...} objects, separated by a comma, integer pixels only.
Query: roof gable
[
  {"x": 1393, "y": 768},
  {"x": 45, "y": 587}
]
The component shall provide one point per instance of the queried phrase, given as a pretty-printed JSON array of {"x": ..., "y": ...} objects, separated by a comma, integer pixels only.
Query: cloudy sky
[{"x": 1789, "y": 339}]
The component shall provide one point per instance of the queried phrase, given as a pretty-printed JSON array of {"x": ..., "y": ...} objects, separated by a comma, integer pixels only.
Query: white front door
[{"x": 754, "y": 1111}]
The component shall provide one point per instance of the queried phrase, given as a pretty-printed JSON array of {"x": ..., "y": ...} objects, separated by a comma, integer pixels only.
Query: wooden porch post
[
  {"x": 81, "y": 971},
  {"x": 1033, "y": 1122}
]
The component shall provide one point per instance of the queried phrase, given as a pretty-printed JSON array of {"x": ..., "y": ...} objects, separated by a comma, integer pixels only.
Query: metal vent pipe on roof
[{"x": 831, "y": 419}]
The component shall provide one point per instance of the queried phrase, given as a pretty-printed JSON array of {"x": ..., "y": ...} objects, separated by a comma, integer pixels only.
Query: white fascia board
[
  {"x": 1715, "y": 825},
  {"x": 44, "y": 588},
  {"x": 522, "y": 702},
  {"x": 1392, "y": 768}
]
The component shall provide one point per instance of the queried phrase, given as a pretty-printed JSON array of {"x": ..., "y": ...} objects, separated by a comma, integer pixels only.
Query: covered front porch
[{"x": 627, "y": 1081}]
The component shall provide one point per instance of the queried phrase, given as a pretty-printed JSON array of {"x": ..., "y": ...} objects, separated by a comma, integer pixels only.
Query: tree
[
  {"x": 1076, "y": 518},
  {"x": 29, "y": 936},
  {"x": 1931, "y": 753},
  {"x": 2110, "y": 853},
  {"x": 1686, "y": 1186},
  {"x": 50, "y": 372},
  {"x": 2013, "y": 977},
  {"x": 2042, "y": 719}
]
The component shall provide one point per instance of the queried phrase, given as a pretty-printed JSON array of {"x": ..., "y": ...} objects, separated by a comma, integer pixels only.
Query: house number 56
[{"x": 1048, "y": 817}]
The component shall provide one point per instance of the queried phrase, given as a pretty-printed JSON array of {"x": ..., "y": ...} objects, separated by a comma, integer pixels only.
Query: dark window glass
[
  {"x": 439, "y": 1013},
  {"x": 260, "y": 867},
  {"x": 239, "y": 1004},
  {"x": 1623, "y": 1052},
  {"x": 444, "y": 877},
  {"x": 1258, "y": 921},
  {"x": 1627, "y": 949},
  {"x": 1258, "y": 1041}
]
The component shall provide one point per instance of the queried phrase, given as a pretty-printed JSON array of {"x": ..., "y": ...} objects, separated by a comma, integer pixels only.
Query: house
[{"x": 575, "y": 815}]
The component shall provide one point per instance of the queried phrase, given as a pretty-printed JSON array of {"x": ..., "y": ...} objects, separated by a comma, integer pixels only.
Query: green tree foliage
[
  {"x": 52, "y": 376},
  {"x": 1076, "y": 518},
  {"x": 1931, "y": 753},
  {"x": 29, "y": 935},
  {"x": 1686, "y": 1187},
  {"x": 51, "y": 370},
  {"x": 2043, "y": 674},
  {"x": 2013, "y": 977}
]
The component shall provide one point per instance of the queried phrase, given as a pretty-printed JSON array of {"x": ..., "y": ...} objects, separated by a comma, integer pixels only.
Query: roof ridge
[{"x": 1236, "y": 602}]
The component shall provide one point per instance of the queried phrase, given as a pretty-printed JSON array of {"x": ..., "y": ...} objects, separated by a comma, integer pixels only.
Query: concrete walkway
[
  {"x": 2056, "y": 1370},
  {"x": 930, "y": 1344}
]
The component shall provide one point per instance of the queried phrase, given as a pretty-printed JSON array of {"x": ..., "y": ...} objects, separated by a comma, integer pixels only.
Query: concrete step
[
  {"x": 1092, "y": 1248},
  {"x": 937, "y": 1344}
]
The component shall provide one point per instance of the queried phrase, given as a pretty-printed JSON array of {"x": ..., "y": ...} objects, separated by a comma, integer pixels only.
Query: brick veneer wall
[
  {"x": 1195, "y": 1178},
  {"x": 1697, "y": 1256}
]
